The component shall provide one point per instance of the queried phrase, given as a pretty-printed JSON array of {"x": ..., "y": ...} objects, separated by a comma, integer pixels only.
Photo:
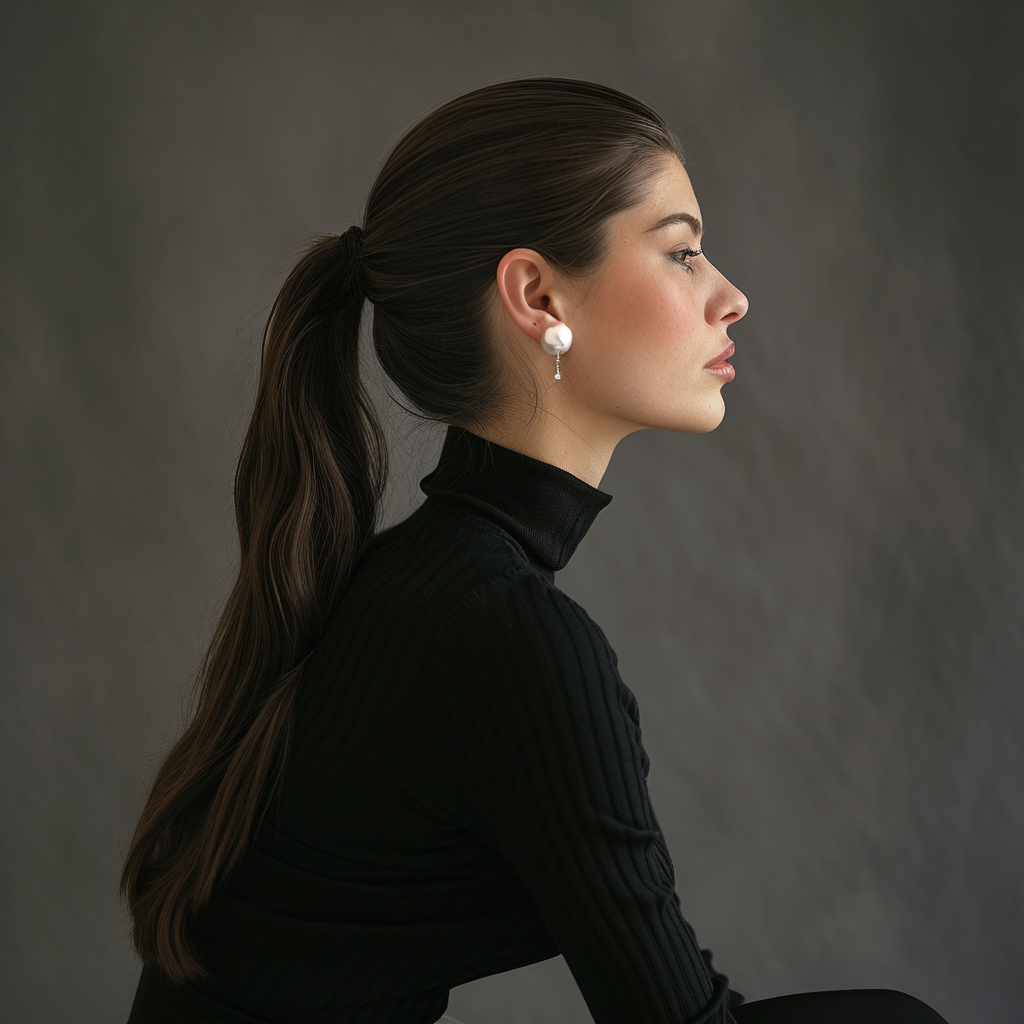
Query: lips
[{"x": 721, "y": 357}]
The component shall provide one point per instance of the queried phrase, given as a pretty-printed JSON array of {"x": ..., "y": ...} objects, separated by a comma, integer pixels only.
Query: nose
[{"x": 727, "y": 303}]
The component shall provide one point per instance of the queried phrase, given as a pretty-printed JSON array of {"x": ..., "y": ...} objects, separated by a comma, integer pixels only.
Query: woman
[{"x": 413, "y": 762}]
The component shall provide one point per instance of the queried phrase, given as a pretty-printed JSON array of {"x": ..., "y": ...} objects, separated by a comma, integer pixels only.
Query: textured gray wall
[{"x": 818, "y": 605}]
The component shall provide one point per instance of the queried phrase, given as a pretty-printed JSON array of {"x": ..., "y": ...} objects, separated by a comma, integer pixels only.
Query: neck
[{"x": 583, "y": 449}]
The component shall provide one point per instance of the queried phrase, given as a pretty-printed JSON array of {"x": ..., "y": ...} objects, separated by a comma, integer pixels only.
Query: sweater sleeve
[{"x": 541, "y": 757}]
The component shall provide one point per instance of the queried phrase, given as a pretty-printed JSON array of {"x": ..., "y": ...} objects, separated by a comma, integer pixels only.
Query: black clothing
[
  {"x": 158, "y": 1000},
  {"x": 465, "y": 791},
  {"x": 840, "y": 1006}
]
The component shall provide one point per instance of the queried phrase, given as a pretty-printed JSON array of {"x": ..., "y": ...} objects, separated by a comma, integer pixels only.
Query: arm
[{"x": 544, "y": 760}]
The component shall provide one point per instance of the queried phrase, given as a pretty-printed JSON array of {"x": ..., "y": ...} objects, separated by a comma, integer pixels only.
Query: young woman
[{"x": 413, "y": 762}]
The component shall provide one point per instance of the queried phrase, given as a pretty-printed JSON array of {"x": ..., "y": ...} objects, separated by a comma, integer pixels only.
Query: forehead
[
  {"x": 670, "y": 187},
  {"x": 669, "y": 192}
]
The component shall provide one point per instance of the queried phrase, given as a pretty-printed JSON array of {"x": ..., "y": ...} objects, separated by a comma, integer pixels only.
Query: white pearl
[{"x": 556, "y": 340}]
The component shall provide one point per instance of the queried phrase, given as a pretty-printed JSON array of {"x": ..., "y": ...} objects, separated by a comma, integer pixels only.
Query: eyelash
[{"x": 686, "y": 254}]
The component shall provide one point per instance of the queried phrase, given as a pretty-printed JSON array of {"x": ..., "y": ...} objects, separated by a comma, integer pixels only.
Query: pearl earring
[{"x": 555, "y": 341}]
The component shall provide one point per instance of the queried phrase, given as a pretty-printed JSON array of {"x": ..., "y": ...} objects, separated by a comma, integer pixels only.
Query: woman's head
[
  {"x": 526, "y": 203},
  {"x": 648, "y": 323}
]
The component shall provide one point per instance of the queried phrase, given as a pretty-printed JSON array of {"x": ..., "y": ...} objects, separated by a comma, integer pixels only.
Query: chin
[
  {"x": 698, "y": 421},
  {"x": 712, "y": 422}
]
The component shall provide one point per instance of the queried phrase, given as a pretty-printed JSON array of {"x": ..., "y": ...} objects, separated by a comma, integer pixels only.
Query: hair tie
[
  {"x": 352, "y": 239},
  {"x": 350, "y": 243}
]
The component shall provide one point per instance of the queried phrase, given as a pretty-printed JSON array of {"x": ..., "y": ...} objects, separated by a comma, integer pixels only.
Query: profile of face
[{"x": 649, "y": 325}]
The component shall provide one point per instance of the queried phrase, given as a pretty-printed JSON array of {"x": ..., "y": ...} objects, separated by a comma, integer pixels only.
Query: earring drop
[{"x": 555, "y": 341}]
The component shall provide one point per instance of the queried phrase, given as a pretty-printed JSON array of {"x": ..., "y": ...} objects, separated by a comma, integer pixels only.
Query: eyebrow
[{"x": 678, "y": 218}]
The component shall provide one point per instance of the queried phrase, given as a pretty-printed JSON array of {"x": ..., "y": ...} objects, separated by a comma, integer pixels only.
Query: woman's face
[{"x": 652, "y": 320}]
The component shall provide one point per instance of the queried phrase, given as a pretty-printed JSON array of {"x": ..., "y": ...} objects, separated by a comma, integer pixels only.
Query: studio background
[{"x": 818, "y": 605}]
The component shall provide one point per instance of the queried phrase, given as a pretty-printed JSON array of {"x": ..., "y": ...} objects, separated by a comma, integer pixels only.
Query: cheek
[{"x": 647, "y": 319}]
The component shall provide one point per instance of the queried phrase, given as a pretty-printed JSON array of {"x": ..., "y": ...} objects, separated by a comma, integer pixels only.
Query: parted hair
[{"x": 540, "y": 163}]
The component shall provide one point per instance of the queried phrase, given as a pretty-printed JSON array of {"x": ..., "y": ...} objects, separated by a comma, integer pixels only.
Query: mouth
[
  {"x": 720, "y": 358},
  {"x": 718, "y": 367}
]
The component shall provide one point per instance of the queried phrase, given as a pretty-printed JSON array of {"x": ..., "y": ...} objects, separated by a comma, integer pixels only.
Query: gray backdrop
[{"x": 818, "y": 605}]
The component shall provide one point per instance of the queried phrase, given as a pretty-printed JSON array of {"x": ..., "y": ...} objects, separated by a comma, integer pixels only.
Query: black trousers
[
  {"x": 157, "y": 1000},
  {"x": 843, "y": 1006}
]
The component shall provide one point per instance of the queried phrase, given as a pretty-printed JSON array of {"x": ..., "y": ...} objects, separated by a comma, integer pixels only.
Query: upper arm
[{"x": 543, "y": 759}]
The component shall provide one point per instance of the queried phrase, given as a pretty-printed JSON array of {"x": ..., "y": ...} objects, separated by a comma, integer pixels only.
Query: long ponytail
[{"x": 308, "y": 487}]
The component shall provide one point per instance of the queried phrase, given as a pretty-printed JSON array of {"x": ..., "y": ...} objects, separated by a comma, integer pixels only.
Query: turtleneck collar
[{"x": 545, "y": 508}]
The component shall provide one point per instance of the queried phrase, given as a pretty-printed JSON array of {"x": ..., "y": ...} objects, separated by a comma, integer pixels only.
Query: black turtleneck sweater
[{"x": 465, "y": 791}]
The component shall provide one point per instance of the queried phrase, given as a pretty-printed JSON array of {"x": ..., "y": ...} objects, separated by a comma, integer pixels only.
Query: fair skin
[{"x": 645, "y": 324}]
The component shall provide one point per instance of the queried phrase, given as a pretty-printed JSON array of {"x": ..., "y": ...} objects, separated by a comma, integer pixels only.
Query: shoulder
[
  {"x": 437, "y": 562},
  {"x": 517, "y": 632},
  {"x": 519, "y": 604},
  {"x": 521, "y": 667}
]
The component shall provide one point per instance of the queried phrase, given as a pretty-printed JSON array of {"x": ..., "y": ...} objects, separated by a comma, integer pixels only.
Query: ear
[{"x": 530, "y": 291}]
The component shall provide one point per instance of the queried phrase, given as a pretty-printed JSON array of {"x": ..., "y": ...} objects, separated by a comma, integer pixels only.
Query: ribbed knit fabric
[{"x": 465, "y": 791}]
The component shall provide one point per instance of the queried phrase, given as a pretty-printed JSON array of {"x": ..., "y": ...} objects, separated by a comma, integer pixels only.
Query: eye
[{"x": 682, "y": 255}]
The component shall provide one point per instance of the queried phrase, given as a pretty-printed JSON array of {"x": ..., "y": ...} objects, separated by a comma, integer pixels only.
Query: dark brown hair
[{"x": 539, "y": 163}]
